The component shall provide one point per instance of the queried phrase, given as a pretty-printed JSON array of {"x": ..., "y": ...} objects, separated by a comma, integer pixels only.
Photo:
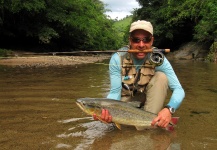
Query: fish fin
[
  {"x": 170, "y": 128},
  {"x": 174, "y": 120},
  {"x": 118, "y": 126},
  {"x": 172, "y": 123},
  {"x": 101, "y": 120},
  {"x": 140, "y": 128}
]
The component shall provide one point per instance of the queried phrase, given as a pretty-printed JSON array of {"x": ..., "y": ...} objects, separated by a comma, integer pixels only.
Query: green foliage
[
  {"x": 85, "y": 25},
  {"x": 70, "y": 24},
  {"x": 5, "y": 53},
  {"x": 212, "y": 55},
  {"x": 46, "y": 34},
  {"x": 82, "y": 24},
  {"x": 122, "y": 28},
  {"x": 206, "y": 29},
  {"x": 123, "y": 24},
  {"x": 180, "y": 21},
  {"x": 27, "y": 5}
]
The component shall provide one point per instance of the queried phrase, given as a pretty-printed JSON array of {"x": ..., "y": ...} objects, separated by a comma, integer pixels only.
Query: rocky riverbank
[{"x": 191, "y": 50}]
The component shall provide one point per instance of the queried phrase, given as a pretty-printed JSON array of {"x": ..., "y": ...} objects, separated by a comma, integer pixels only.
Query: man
[{"x": 134, "y": 78}]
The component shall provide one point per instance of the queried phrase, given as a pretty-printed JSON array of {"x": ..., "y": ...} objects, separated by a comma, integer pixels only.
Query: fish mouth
[
  {"x": 81, "y": 106},
  {"x": 84, "y": 107}
]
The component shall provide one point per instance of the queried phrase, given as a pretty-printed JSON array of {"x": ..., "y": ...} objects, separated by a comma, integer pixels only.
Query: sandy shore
[{"x": 44, "y": 61}]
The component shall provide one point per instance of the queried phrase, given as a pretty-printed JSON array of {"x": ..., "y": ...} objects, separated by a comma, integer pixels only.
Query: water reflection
[
  {"x": 87, "y": 132},
  {"x": 97, "y": 135}
]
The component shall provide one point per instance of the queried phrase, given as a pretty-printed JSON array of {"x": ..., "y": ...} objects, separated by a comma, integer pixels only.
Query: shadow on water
[{"x": 38, "y": 110}]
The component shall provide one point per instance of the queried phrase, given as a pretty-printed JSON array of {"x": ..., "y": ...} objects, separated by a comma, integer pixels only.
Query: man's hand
[
  {"x": 105, "y": 116},
  {"x": 163, "y": 118}
]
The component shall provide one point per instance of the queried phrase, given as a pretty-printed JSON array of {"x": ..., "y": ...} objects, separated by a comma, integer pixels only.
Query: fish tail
[
  {"x": 170, "y": 128},
  {"x": 173, "y": 122}
]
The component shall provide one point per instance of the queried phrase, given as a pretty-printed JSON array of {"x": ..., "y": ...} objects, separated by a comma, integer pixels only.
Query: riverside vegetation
[{"x": 45, "y": 25}]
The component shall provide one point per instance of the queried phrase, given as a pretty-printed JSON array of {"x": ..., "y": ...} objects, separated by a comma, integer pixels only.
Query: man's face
[{"x": 140, "y": 40}]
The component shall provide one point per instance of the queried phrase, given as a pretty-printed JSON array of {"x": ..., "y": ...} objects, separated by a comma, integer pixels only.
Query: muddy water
[{"x": 38, "y": 111}]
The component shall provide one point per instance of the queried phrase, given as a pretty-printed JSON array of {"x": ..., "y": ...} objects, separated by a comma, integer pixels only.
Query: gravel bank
[{"x": 44, "y": 61}]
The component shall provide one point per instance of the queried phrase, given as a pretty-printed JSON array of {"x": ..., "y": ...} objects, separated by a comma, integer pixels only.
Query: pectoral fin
[
  {"x": 118, "y": 126},
  {"x": 99, "y": 118}
]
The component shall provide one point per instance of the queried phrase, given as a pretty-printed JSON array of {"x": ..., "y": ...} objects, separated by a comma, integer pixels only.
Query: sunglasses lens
[
  {"x": 136, "y": 40},
  {"x": 145, "y": 40}
]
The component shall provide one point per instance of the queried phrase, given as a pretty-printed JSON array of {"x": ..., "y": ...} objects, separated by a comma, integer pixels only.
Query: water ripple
[{"x": 92, "y": 131}]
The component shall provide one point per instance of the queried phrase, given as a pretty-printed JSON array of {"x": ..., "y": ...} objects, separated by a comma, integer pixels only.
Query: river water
[{"x": 38, "y": 110}]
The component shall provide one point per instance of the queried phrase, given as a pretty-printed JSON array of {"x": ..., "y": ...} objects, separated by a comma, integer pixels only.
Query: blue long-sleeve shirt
[{"x": 178, "y": 93}]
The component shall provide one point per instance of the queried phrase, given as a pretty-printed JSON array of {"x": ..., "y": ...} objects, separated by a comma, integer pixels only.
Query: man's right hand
[{"x": 105, "y": 116}]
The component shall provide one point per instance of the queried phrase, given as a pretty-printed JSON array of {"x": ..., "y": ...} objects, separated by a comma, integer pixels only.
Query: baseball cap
[{"x": 142, "y": 24}]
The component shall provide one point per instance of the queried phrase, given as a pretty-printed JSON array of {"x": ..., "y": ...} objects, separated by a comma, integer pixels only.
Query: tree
[
  {"x": 206, "y": 28},
  {"x": 66, "y": 24},
  {"x": 176, "y": 22}
]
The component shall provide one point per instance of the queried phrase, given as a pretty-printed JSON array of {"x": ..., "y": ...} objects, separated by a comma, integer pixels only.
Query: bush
[
  {"x": 5, "y": 53},
  {"x": 212, "y": 55}
]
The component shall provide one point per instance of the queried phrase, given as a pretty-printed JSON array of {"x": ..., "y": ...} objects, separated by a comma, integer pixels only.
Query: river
[{"x": 38, "y": 110}]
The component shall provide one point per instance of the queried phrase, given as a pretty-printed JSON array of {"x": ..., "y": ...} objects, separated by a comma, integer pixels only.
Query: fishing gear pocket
[{"x": 145, "y": 76}]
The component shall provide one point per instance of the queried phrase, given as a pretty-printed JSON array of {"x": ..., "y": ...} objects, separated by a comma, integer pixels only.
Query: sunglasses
[{"x": 138, "y": 40}]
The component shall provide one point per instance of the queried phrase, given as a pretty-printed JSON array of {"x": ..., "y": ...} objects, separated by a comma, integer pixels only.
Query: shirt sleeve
[
  {"x": 115, "y": 77},
  {"x": 178, "y": 93}
]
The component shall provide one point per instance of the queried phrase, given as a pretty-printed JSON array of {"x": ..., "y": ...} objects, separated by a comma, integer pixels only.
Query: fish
[{"x": 123, "y": 113}]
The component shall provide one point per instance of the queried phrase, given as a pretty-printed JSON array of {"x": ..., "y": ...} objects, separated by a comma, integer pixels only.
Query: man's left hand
[{"x": 163, "y": 118}]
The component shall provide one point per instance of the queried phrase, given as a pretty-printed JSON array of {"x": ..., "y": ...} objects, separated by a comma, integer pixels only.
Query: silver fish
[{"x": 122, "y": 113}]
